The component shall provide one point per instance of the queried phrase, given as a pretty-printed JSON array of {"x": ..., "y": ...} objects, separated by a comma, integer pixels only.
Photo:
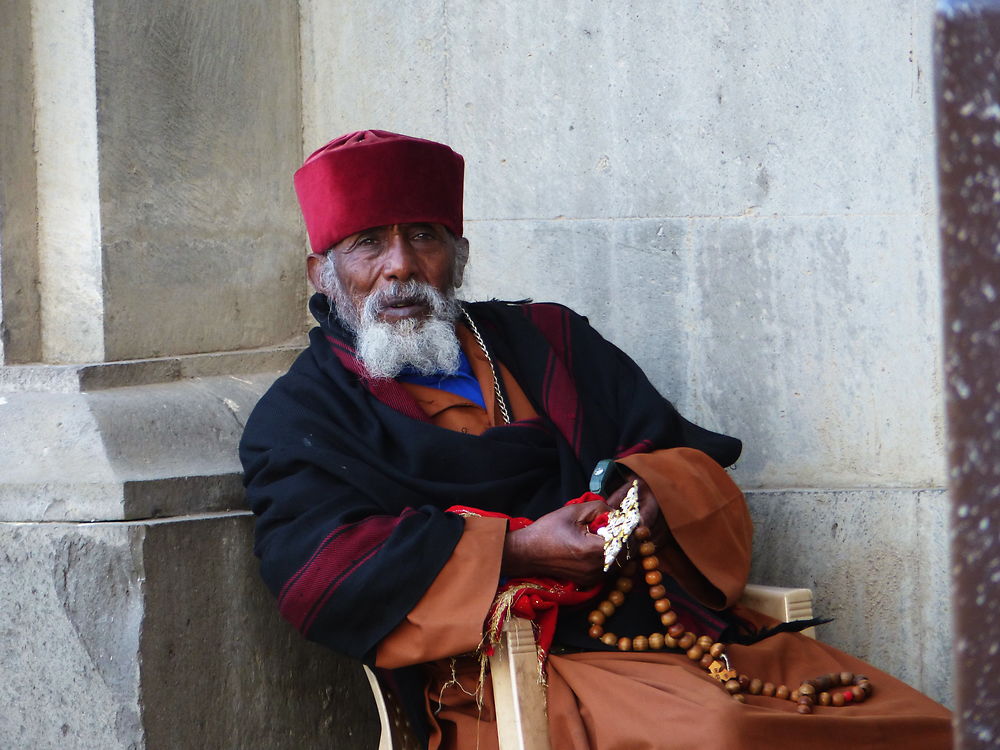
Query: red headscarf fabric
[{"x": 373, "y": 178}]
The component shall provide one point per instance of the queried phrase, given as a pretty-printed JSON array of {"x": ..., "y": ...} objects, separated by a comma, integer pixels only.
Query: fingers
[
  {"x": 649, "y": 508},
  {"x": 616, "y": 498},
  {"x": 586, "y": 512},
  {"x": 558, "y": 545}
]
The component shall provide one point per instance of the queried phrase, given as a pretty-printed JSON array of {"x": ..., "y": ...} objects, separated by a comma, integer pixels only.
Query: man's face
[
  {"x": 393, "y": 287},
  {"x": 373, "y": 260}
]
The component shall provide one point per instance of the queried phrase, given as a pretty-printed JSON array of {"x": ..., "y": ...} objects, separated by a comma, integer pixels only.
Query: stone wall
[
  {"x": 159, "y": 634},
  {"x": 741, "y": 195}
]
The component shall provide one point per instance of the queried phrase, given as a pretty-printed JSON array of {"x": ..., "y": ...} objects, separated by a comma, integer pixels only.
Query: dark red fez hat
[{"x": 372, "y": 178}]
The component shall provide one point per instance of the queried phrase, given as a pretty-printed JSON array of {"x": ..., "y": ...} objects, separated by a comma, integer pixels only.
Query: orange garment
[
  {"x": 602, "y": 700},
  {"x": 605, "y": 700},
  {"x": 707, "y": 515},
  {"x": 453, "y": 412},
  {"x": 461, "y": 589}
]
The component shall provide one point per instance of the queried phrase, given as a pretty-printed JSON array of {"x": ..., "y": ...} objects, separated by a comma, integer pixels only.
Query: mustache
[{"x": 401, "y": 294}]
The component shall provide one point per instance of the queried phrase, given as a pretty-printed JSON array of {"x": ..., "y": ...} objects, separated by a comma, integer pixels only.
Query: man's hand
[
  {"x": 649, "y": 509},
  {"x": 558, "y": 545}
]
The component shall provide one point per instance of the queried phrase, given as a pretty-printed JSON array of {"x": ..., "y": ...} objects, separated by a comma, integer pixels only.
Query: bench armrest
[{"x": 786, "y": 605}]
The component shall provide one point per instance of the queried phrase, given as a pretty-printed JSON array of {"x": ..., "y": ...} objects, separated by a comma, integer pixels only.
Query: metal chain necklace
[{"x": 496, "y": 381}]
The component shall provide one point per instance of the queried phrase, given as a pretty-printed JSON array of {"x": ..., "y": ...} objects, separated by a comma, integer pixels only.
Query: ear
[
  {"x": 461, "y": 258},
  {"x": 314, "y": 266}
]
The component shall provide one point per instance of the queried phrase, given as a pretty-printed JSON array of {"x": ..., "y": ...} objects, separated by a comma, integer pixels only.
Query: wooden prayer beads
[{"x": 834, "y": 689}]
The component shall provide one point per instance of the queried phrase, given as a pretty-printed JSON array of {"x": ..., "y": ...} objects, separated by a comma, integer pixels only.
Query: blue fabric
[{"x": 463, "y": 383}]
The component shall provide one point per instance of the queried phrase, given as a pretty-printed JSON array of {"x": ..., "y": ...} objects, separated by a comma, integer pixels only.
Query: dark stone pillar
[{"x": 967, "y": 59}]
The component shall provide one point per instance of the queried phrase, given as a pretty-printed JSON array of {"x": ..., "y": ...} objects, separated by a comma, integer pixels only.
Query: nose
[{"x": 399, "y": 260}]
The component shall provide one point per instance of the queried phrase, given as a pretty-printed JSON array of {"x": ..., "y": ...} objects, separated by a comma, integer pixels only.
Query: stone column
[
  {"x": 967, "y": 41},
  {"x": 150, "y": 290}
]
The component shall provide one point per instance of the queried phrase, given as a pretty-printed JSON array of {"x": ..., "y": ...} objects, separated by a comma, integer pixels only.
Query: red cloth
[
  {"x": 373, "y": 178},
  {"x": 535, "y": 599}
]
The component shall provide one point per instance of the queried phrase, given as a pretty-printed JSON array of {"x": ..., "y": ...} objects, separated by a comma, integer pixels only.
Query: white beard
[{"x": 428, "y": 345}]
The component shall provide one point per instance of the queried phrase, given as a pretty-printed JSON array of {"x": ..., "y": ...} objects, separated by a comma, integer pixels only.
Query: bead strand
[{"x": 823, "y": 690}]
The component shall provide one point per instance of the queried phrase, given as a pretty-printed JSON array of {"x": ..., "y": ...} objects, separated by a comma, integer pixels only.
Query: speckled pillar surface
[{"x": 967, "y": 51}]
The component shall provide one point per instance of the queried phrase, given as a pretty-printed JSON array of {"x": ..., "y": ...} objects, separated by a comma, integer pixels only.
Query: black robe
[{"x": 349, "y": 480}]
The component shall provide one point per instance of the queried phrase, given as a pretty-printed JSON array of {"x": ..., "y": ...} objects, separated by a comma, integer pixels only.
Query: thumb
[{"x": 618, "y": 496}]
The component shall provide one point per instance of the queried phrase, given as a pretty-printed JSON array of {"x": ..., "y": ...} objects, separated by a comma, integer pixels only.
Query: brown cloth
[
  {"x": 608, "y": 701},
  {"x": 708, "y": 520},
  {"x": 453, "y": 412},
  {"x": 602, "y": 700}
]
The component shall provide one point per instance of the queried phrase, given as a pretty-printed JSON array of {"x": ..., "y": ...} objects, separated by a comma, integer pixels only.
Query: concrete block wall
[
  {"x": 741, "y": 195},
  {"x": 159, "y": 634}
]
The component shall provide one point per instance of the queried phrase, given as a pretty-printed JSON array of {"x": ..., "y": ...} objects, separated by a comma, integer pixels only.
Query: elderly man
[{"x": 422, "y": 470}]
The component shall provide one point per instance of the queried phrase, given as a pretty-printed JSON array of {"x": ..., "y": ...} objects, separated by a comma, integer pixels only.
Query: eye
[
  {"x": 424, "y": 234},
  {"x": 365, "y": 242}
]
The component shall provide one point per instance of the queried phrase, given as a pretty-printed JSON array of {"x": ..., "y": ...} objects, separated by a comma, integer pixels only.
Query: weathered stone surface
[
  {"x": 70, "y": 614},
  {"x": 339, "y": 94},
  {"x": 167, "y": 224},
  {"x": 628, "y": 277},
  {"x": 70, "y": 261},
  {"x": 19, "y": 314},
  {"x": 220, "y": 668},
  {"x": 818, "y": 338},
  {"x": 199, "y": 227},
  {"x": 101, "y": 375},
  {"x": 159, "y": 634},
  {"x": 877, "y": 561},
  {"x": 812, "y": 339},
  {"x": 672, "y": 109},
  {"x": 120, "y": 453}
]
